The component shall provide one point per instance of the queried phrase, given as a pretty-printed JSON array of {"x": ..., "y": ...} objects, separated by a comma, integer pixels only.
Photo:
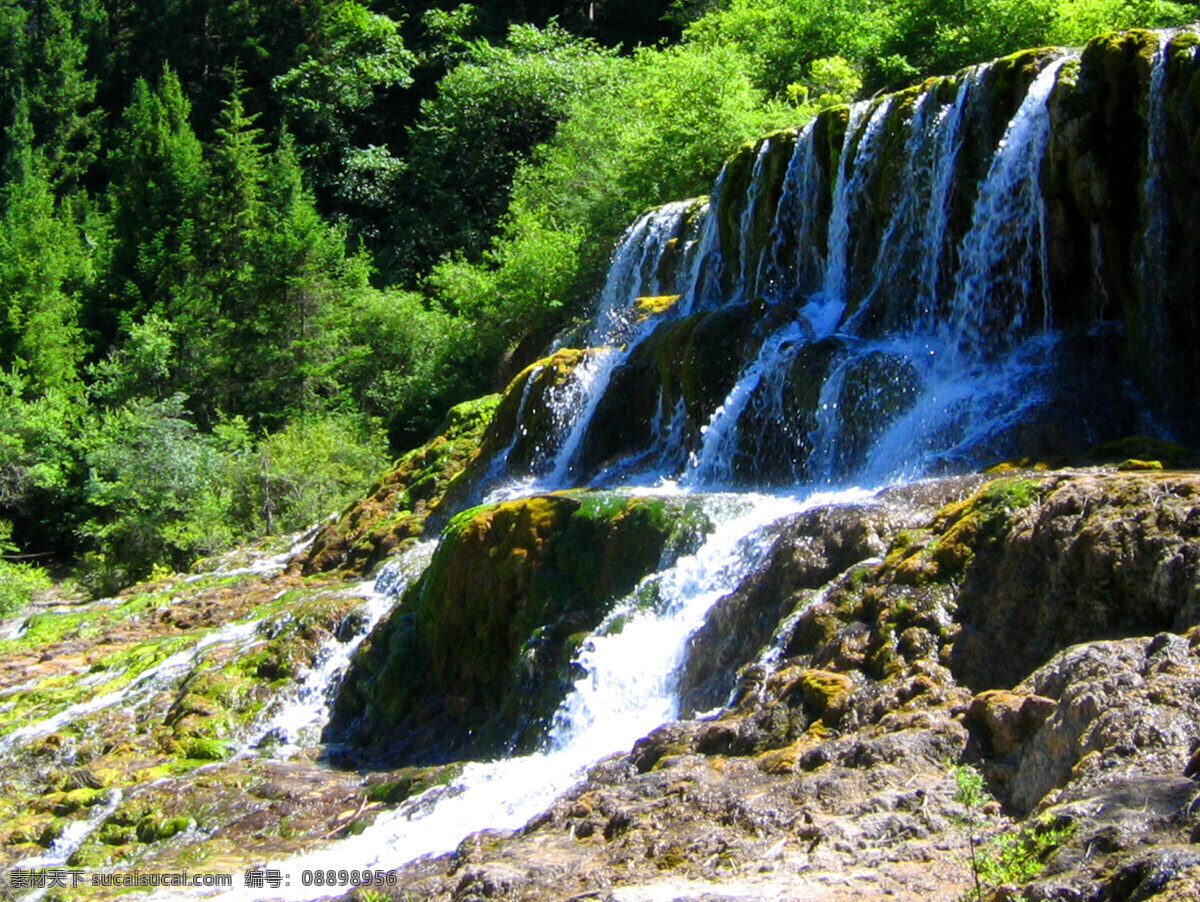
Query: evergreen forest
[{"x": 249, "y": 252}]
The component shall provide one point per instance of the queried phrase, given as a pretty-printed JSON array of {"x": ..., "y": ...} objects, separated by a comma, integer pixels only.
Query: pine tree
[
  {"x": 43, "y": 269},
  {"x": 158, "y": 196},
  {"x": 62, "y": 96}
]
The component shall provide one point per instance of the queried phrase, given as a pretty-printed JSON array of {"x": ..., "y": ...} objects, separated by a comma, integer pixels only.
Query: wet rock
[
  {"x": 1125, "y": 710},
  {"x": 394, "y": 510},
  {"x": 1008, "y": 719},
  {"x": 807, "y": 553},
  {"x": 477, "y": 656}
]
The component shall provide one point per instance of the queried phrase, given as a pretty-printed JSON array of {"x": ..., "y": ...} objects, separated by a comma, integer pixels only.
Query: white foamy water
[
  {"x": 306, "y": 710},
  {"x": 629, "y": 688}
]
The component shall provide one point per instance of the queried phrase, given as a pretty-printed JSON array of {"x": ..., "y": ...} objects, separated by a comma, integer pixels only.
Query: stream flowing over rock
[{"x": 729, "y": 595}]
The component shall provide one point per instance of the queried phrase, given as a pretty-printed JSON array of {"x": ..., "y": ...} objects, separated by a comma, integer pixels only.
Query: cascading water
[
  {"x": 638, "y": 270},
  {"x": 903, "y": 293},
  {"x": 930, "y": 362},
  {"x": 306, "y": 709},
  {"x": 1003, "y": 256},
  {"x": 73, "y": 836},
  {"x": 630, "y": 668},
  {"x": 143, "y": 685}
]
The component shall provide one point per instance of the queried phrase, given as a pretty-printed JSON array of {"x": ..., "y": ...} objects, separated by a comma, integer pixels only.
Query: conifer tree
[
  {"x": 43, "y": 269},
  {"x": 62, "y": 97},
  {"x": 158, "y": 194}
]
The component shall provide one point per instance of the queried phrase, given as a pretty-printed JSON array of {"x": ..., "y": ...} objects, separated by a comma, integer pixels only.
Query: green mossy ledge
[
  {"x": 477, "y": 656},
  {"x": 394, "y": 510}
]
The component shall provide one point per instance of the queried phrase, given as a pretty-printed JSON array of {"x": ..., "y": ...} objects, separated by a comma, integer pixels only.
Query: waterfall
[
  {"x": 714, "y": 463},
  {"x": 793, "y": 262},
  {"x": 630, "y": 665},
  {"x": 1152, "y": 261},
  {"x": 306, "y": 709},
  {"x": 635, "y": 272},
  {"x": 892, "y": 317},
  {"x": 858, "y": 154},
  {"x": 1003, "y": 256},
  {"x": 941, "y": 329}
]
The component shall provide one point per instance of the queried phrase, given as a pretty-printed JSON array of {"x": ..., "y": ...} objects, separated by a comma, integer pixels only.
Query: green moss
[
  {"x": 70, "y": 802},
  {"x": 156, "y": 829},
  {"x": 654, "y": 305},
  {"x": 116, "y": 834},
  {"x": 1134, "y": 464},
  {"x": 824, "y": 691},
  {"x": 204, "y": 749},
  {"x": 396, "y": 507},
  {"x": 488, "y": 626}
]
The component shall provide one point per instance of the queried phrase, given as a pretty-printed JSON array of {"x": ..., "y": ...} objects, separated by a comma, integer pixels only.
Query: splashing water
[
  {"x": 306, "y": 711},
  {"x": 629, "y": 688},
  {"x": 1003, "y": 256}
]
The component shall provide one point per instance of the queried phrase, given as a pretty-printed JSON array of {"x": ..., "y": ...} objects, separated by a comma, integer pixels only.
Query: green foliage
[
  {"x": 969, "y": 788},
  {"x": 780, "y": 39},
  {"x": 970, "y": 793},
  {"x": 332, "y": 101},
  {"x": 357, "y": 52},
  {"x": 832, "y": 81},
  {"x": 294, "y": 477},
  {"x": 62, "y": 95},
  {"x": 403, "y": 361},
  {"x": 38, "y": 461},
  {"x": 1019, "y": 855},
  {"x": 158, "y": 197},
  {"x": 146, "y": 465},
  {"x": 490, "y": 112},
  {"x": 1012, "y": 856},
  {"x": 658, "y": 131},
  {"x": 163, "y": 493},
  {"x": 18, "y": 580},
  {"x": 1078, "y": 20},
  {"x": 43, "y": 268},
  {"x": 894, "y": 42}
]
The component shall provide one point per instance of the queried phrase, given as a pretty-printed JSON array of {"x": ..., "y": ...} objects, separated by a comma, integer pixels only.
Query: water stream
[
  {"x": 298, "y": 719},
  {"x": 630, "y": 665}
]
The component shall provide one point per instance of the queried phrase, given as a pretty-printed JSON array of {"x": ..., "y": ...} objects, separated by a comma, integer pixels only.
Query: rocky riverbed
[{"x": 1037, "y": 629}]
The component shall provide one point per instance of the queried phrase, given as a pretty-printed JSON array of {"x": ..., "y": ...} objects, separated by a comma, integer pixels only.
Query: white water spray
[{"x": 629, "y": 688}]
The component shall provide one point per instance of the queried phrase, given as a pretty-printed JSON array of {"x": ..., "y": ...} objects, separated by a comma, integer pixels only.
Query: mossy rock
[
  {"x": 201, "y": 748},
  {"x": 395, "y": 508},
  {"x": 116, "y": 834},
  {"x": 824, "y": 692},
  {"x": 485, "y": 636},
  {"x": 523, "y": 429},
  {"x": 959, "y": 531},
  {"x": 157, "y": 829},
  {"x": 651, "y": 306}
]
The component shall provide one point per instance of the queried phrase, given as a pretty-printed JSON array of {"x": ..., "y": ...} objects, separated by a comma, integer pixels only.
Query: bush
[
  {"x": 657, "y": 131},
  {"x": 300, "y": 475},
  {"x": 161, "y": 493},
  {"x": 18, "y": 581}
]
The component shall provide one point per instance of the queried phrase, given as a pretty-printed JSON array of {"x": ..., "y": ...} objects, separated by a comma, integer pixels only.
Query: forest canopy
[{"x": 248, "y": 251}]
